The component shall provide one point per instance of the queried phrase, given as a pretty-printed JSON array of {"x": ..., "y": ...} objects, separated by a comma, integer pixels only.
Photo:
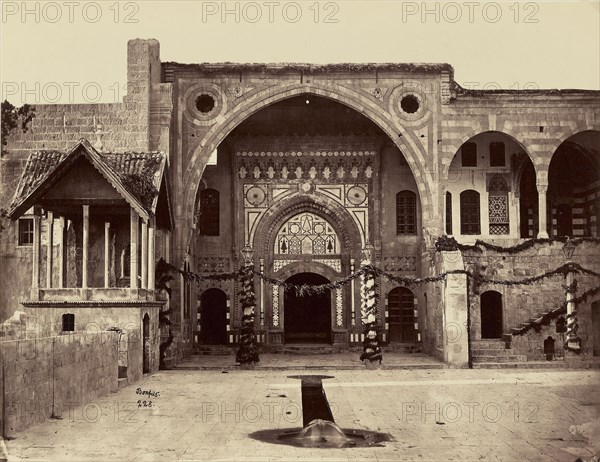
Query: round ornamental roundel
[
  {"x": 204, "y": 103},
  {"x": 356, "y": 195},
  {"x": 255, "y": 196},
  {"x": 409, "y": 102}
]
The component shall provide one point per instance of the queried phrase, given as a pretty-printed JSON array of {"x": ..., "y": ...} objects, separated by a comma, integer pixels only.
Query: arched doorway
[
  {"x": 146, "y": 344},
  {"x": 213, "y": 317},
  {"x": 491, "y": 314},
  {"x": 401, "y": 315},
  {"x": 307, "y": 319}
]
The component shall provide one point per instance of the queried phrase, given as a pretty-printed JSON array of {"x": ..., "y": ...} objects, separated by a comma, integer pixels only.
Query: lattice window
[
  {"x": 406, "y": 212},
  {"x": 307, "y": 233},
  {"x": 319, "y": 245},
  {"x": 208, "y": 213},
  {"x": 469, "y": 212},
  {"x": 498, "y": 206}
]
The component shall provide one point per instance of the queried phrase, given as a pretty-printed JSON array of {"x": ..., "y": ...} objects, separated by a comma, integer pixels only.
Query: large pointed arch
[{"x": 414, "y": 153}]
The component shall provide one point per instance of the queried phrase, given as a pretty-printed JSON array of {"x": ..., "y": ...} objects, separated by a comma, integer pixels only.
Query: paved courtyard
[{"x": 431, "y": 414}]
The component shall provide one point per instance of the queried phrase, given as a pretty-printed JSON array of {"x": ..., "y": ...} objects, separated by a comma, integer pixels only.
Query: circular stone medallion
[{"x": 356, "y": 195}]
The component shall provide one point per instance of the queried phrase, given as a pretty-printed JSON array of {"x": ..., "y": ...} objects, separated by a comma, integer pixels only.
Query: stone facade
[{"x": 479, "y": 165}]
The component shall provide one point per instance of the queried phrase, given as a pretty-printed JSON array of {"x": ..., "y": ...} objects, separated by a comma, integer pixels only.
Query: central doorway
[{"x": 307, "y": 318}]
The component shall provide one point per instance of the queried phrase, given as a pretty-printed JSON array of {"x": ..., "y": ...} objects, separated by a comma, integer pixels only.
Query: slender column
[
  {"x": 151, "y": 258},
  {"x": 262, "y": 293},
  {"x": 133, "y": 254},
  {"x": 49, "y": 254},
  {"x": 61, "y": 252},
  {"x": 37, "y": 239},
  {"x": 542, "y": 220},
  {"x": 107, "y": 254},
  {"x": 86, "y": 245},
  {"x": 573, "y": 341},
  {"x": 144, "y": 254},
  {"x": 352, "y": 300}
]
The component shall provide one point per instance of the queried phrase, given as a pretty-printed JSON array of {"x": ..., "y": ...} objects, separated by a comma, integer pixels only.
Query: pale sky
[{"x": 75, "y": 51}]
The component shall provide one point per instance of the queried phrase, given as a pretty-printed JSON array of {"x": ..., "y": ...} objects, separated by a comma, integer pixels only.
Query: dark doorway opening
[
  {"x": 146, "y": 344},
  {"x": 401, "y": 315},
  {"x": 491, "y": 314},
  {"x": 307, "y": 319},
  {"x": 596, "y": 327},
  {"x": 564, "y": 220},
  {"x": 213, "y": 317}
]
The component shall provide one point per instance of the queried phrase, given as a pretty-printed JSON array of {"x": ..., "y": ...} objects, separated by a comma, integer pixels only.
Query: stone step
[
  {"x": 520, "y": 365},
  {"x": 489, "y": 344},
  {"x": 214, "y": 350},
  {"x": 499, "y": 359},
  {"x": 492, "y": 352},
  {"x": 397, "y": 347},
  {"x": 306, "y": 349}
]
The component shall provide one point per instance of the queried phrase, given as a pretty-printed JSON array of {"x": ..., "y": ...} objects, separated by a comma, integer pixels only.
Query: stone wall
[
  {"x": 522, "y": 302},
  {"x": 46, "y": 377},
  {"x": 46, "y": 320}
]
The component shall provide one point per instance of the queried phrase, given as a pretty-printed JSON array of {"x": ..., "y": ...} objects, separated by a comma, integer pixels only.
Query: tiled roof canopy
[{"x": 138, "y": 177}]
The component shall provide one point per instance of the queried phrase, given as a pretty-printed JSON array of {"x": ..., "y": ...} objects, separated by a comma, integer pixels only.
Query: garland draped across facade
[
  {"x": 449, "y": 244},
  {"x": 247, "y": 352}
]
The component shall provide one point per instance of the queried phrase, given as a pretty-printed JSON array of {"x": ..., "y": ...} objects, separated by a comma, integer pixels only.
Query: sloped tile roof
[
  {"x": 119, "y": 169},
  {"x": 136, "y": 163},
  {"x": 39, "y": 166}
]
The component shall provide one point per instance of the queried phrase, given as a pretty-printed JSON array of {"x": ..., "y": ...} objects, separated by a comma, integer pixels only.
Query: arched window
[
  {"x": 498, "y": 205},
  {"x": 469, "y": 212},
  {"x": 208, "y": 213},
  {"x": 406, "y": 212},
  {"x": 449, "y": 213}
]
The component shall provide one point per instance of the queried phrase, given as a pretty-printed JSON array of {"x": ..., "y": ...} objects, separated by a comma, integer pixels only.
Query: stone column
[
  {"x": 133, "y": 250},
  {"x": 151, "y": 258},
  {"x": 49, "y": 254},
  {"x": 61, "y": 253},
  {"x": 86, "y": 246},
  {"x": 455, "y": 315},
  {"x": 144, "y": 254},
  {"x": 542, "y": 218},
  {"x": 37, "y": 239},
  {"x": 107, "y": 254}
]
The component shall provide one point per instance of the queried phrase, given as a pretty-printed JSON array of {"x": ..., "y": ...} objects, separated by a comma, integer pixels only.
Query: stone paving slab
[{"x": 435, "y": 415}]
